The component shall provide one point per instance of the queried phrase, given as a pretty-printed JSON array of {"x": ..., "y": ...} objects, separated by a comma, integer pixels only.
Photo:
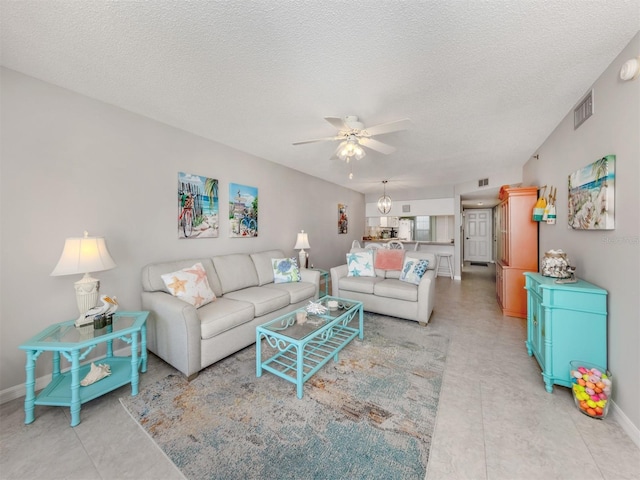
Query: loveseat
[
  {"x": 396, "y": 284},
  {"x": 203, "y": 310}
]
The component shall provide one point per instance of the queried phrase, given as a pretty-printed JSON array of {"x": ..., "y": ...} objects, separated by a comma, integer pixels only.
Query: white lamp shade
[
  {"x": 302, "y": 241},
  {"x": 83, "y": 255}
]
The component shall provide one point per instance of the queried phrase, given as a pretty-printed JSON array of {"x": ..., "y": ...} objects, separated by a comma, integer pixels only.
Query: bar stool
[{"x": 443, "y": 269}]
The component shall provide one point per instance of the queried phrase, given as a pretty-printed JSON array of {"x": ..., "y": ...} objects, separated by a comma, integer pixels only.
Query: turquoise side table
[
  {"x": 565, "y": 322},
  {"x": 74, "y": 344},
  {"x": 324, "y": 278}
]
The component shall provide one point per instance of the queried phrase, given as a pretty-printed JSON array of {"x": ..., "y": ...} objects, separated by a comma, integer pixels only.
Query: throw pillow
[
  {"x": 413, "y": 270},
  {"x": 387, "y": 259},
  {"x": 360, "y": 264},
  {"x": 190, "y": 285},
  {"x": 285, "y": 270}
]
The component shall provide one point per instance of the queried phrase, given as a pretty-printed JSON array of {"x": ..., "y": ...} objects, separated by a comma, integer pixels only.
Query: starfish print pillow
[
  {"x": 190, "y": 285},
  {"x": 360, "y": 264}
]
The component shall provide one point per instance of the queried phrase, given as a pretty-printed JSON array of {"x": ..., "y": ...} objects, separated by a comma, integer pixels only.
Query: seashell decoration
[{"x": 555, "y": 263}]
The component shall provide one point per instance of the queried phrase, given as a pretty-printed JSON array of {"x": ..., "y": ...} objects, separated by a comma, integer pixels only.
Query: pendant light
[{"x": 384, "y": 202}]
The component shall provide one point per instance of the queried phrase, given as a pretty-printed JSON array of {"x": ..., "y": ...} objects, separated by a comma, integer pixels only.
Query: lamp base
[
  {"x": 302, "y": 259},
  {"x": 87, "y": 294}
]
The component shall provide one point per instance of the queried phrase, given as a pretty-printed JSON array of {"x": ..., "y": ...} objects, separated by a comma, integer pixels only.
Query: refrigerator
[{"x": 405, "y": 230}]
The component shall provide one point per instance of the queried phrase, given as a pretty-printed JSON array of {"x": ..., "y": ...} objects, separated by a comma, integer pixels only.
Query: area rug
[{"x": 369, "y": 415}]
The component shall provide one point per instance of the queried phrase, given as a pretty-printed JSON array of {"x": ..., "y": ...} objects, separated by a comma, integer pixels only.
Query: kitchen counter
[{"x": 413, "y": 242}]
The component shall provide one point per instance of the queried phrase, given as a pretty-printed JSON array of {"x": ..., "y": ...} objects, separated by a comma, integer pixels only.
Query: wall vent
[
  {"x": 483, "y": 182},
  {"x": 406, "y": 208},
  {"x": 583, "y": 111}
]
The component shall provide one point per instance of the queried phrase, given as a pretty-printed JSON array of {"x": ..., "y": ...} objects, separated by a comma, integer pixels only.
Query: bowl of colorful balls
[{"x": 591, "y": 388}]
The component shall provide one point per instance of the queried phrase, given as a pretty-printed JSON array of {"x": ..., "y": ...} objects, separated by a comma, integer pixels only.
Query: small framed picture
[{"x": 343, "y": 220}]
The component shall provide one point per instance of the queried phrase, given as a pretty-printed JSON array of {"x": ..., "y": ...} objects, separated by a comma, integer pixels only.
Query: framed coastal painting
[
  {"x": 243, "y": 211},
  {"x": 343, "y": 220},
  {"x": 591, "y": 196},
  {"x": 197, "y": 206}
]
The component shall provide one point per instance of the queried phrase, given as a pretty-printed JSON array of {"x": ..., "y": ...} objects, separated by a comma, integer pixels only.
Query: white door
[{"x": 477, "y": 238}]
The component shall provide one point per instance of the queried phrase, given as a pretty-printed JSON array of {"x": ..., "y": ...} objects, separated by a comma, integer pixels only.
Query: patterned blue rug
[{"x": 370, "y": 415}]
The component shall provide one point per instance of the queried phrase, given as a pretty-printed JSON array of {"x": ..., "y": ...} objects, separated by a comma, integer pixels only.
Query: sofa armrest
[
  {"x": 426, "y": 295},
  {"x": 336, "y": 274},
  {"x": 173, "y": 331},
  {"x": 311, "y": 276}
]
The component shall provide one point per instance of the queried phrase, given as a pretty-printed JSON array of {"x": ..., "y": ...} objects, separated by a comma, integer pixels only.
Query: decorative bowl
[{"x": 592, "y": 386}]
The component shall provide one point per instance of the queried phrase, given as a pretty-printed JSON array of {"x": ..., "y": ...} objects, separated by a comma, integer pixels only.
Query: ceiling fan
[{"x": 354, "y": 136}]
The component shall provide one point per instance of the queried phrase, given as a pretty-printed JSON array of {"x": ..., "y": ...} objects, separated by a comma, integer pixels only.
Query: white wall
[
  {"x": 71, "y": 163},
  {"x": 609, "y": 259},
  {"x": 433, "y": 206}
]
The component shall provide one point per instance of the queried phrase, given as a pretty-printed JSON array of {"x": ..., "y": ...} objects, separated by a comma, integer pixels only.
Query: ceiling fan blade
[
  {"x": 377, "y": 146},
  {"x": 325, "y": 139},
  {"x": 396, "y": 126},
  {"x": 338, "y": 123}
]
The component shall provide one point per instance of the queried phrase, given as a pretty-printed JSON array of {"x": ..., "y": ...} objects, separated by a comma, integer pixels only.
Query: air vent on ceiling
[
  {"x": 583, "y": 111},
  {"x": 483, "y": 182}
]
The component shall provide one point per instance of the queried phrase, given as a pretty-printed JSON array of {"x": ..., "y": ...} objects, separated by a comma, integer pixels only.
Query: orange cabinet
[{"x": 517, "y": 248}]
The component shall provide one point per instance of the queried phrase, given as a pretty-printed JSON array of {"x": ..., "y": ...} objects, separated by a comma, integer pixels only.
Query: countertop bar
[{"x": 419, "y": 242}]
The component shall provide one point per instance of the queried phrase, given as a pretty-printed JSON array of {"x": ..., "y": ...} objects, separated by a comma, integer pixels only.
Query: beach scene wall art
[
  {"x": 243, "y": 211},
  {"x": 197, "y": 206},
  {"x": 591, "y": 196}
]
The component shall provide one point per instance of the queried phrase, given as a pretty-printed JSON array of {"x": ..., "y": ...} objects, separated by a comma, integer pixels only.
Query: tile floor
[{"x": 495, "y": 419}]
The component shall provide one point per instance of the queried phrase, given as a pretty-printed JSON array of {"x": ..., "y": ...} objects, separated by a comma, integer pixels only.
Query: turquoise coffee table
[
  {"x": 75, "y": 343},
  {"x": 301, "y": 350}
]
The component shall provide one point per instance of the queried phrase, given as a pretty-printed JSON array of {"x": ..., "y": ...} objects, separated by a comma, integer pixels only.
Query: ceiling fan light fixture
[
  {"x": 384, "y": 202},
  {"x": 350, "y": 148}
]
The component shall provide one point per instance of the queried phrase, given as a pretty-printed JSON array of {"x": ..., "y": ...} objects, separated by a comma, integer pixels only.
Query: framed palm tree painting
[
  {"x": 197, "y": 206},
  {"x": 591, "y": 196}
]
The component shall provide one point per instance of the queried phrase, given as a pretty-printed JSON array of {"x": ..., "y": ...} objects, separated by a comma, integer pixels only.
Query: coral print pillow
[
  {"x": 285, "y": 270},
  {"x": 360, "y": 264},
  {"x": 413, "y": 270},
  {"x": 190, "y": 285}
]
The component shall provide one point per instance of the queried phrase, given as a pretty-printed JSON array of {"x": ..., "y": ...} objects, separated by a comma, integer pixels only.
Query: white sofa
[
  {"x": 386, "y": 293},
  {"x": 191, "y": 338}
]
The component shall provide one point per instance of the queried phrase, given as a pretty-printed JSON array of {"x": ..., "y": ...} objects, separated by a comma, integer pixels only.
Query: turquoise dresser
[{"x": 565, "y": 322}]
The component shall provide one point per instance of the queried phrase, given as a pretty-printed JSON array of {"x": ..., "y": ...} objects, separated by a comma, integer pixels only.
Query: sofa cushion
[
  {"x": 262, "y": 263},
  {"x": 298, "y": 291},
  {"x": 392, "y": 274},
  {"x": 359, "y": 284},
  {"x": 387, "y": 259},
  {"x": 413, "y": 270},
  {"x": 223, "y": 315},
  {"x": 235, "y": 271},
  {"x": 285, "y": 270},
  {"x": 152, "y": 274},
  {"x": 190, "y": 285},
  {"x": 360, "y": 264},
  {"x": 391, "y": 288},
  {"x": 265, "y": 300}
]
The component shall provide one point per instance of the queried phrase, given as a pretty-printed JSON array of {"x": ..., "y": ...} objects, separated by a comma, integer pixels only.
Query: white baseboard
[{"x": 628, "y": 427}]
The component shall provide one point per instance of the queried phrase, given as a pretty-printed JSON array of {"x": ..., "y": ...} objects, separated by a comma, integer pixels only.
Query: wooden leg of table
[
  {"x": 135, "y": 377},
  {"x": 143, "y": 348},
  {"x": 75, "y": 388},
  {"x": 299, "y": 372},
  {"x": 30, "y": 384}
]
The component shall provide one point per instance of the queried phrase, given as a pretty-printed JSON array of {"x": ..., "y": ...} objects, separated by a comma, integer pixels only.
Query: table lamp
[
  {"x": 84, "y": 255},
  {"x": 302, "y": 242}
]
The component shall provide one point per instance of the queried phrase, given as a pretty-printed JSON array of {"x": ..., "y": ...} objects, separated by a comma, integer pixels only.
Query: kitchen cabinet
[
  {"x": 517, "y": 248},
  {"x": 565, "y": 322}
]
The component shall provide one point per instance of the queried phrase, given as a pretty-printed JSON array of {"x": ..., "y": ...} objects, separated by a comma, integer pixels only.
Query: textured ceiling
[{"x": 484, "y": 82}]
